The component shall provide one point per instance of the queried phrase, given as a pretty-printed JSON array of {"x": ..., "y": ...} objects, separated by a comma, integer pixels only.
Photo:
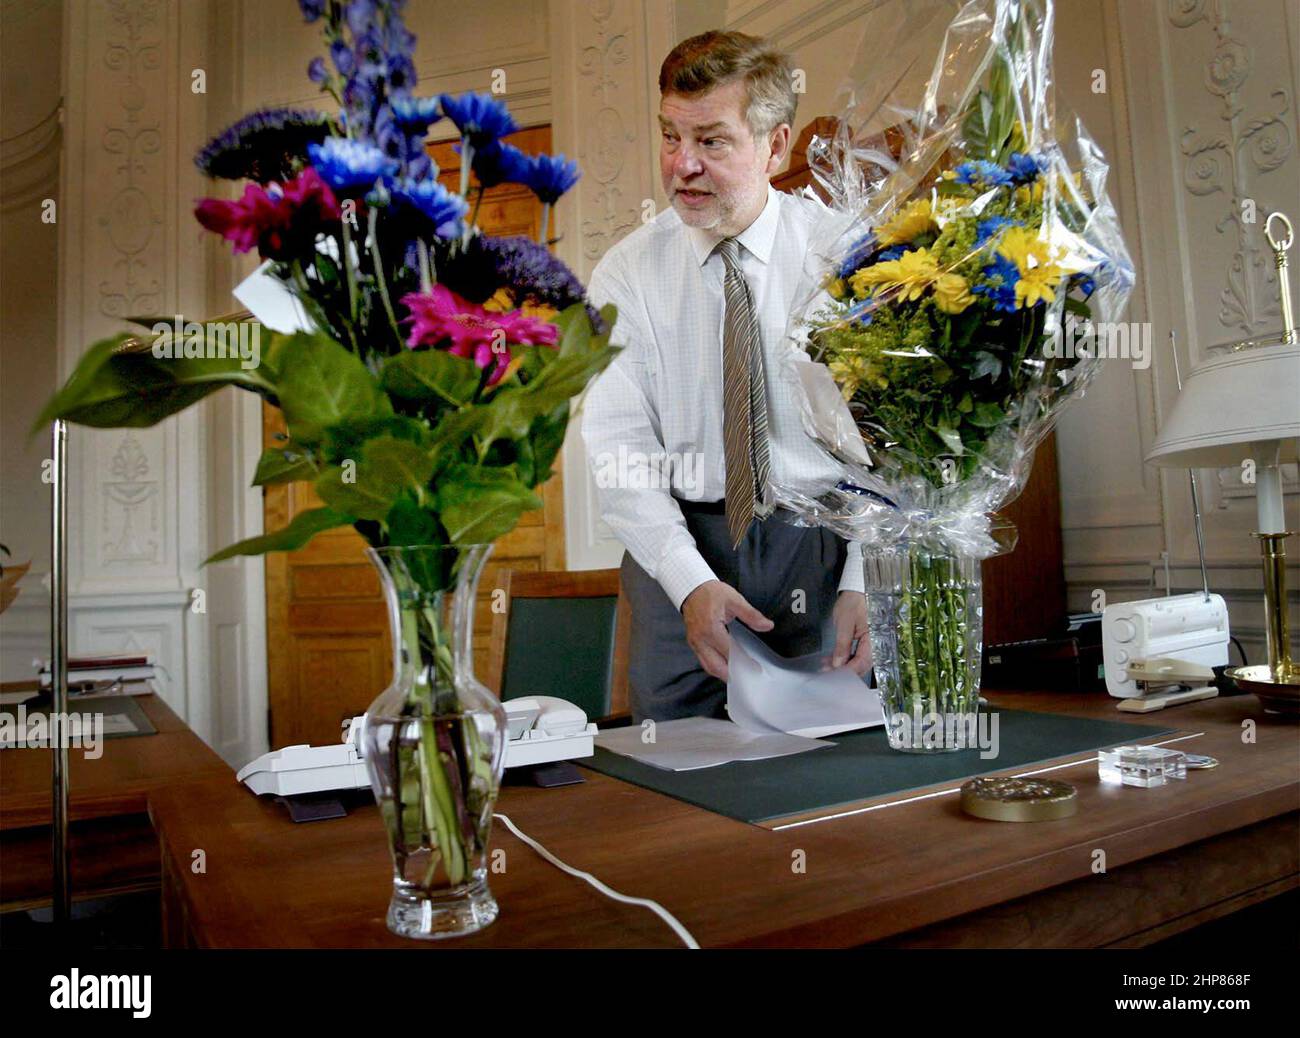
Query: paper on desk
[
  {"x": 690, "y": 743},
  {"x": 770, "y": 693}
]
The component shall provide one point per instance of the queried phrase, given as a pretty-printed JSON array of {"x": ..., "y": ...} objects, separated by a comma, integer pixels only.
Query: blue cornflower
[
  {"x": 1024, "y": 168},
  {"x": 349, "y": 167},
  {"x": 549, "y": 176},
  {"x": 857, "y": 254},
  {"x": 416, "y": 114},
  {"x": 989, "y": 228},
  {"x": 500, "y": 163},
  {"x": 431, "y": 202},
  {"x": 891, "y": 253},
  {"x": 982, "y": 173},
  {"x": 861, "y": 312},
  {"x": 480, "y": 117},
  {"x": 999, "y": 284},
  {"x": 1086, "y": 284}
]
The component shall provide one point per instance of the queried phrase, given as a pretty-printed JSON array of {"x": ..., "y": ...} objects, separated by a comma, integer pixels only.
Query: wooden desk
[
  {"x": 112, "y": 846},
  {"x": 919, "y": 873}
]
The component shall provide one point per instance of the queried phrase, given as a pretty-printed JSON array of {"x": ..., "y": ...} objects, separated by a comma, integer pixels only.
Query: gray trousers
[{"x": 774, "y": 561}]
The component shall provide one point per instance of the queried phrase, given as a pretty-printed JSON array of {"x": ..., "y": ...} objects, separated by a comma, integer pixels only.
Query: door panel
[{"x": 328, "y": 651}]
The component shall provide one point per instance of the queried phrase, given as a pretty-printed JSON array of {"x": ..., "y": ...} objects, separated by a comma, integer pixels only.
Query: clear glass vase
[
  {"x": 435, "y": 744},
  {"x": 925, "y": 620}
]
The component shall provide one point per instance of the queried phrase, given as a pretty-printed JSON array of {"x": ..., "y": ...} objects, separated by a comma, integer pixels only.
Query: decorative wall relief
[
  {"x": 130, "y": 507},
  {"x": 609, "y": 75},
  {"x": 130, "y": 220},
  {"x": 1230, "y": 159}
]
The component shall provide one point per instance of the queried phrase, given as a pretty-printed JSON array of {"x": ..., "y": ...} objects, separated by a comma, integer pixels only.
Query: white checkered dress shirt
[{"x": 661, "y": 399}]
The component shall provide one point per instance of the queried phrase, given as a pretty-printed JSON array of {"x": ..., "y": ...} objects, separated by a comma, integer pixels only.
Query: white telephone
[{"x": 542, "y": 729}]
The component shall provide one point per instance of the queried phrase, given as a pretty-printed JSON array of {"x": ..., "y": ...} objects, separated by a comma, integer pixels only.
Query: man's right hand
[{"x": 707, "y": 610}]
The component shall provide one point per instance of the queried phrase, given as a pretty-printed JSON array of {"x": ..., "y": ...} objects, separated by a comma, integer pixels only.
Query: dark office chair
[{"x": 563, "y": 634}]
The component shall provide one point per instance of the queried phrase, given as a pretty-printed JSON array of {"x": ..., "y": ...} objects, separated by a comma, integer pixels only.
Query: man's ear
[{"x": 779, "y": 141}]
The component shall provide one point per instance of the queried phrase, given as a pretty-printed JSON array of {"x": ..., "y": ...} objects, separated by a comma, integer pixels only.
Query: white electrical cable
[{"x": 654, "y": 906}]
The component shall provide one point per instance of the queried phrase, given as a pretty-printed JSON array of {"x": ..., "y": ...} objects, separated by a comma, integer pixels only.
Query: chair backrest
[{"x": 562, "y": 634}]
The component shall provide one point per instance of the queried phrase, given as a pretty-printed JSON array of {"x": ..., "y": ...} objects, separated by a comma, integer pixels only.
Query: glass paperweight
[{"x": 1144, "y": 766}]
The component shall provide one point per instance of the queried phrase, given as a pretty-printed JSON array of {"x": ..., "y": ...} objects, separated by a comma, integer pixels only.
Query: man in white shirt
[{"x": 693, "y": 423}]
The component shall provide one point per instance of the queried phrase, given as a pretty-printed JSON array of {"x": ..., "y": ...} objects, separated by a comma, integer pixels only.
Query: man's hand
[
  {"x": 850, "y": 615},
  {"x": 707, "y": 610}
]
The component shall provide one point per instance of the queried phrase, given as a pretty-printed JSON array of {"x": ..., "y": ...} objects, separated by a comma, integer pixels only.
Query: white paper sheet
[
  {"x": 700, "y": 742},
  {"x": 268, "y": 299},
  {"x": 770, "y": 693}
]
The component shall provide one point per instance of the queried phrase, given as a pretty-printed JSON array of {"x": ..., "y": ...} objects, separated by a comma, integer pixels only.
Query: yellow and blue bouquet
[{"x": 976, "y": 259}]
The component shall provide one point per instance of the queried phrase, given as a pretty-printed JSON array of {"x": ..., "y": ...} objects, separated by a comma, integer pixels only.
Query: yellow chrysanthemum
[
  {"x": 1037, "y": 285},
  {"x": 1023, "y": 247},
  {"x": 837, "y": 288},
  {"x": 913, "y": 219},
  {"x": 912, "y": 273},
  {"x": 952, "y": 293}
]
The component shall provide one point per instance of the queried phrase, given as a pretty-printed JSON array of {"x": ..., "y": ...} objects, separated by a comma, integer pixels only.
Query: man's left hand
[{"x": 850, "y": 616}]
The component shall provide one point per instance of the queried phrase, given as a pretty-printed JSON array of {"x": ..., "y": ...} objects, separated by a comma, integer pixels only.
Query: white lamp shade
[{"x": 1245, "y": 398}]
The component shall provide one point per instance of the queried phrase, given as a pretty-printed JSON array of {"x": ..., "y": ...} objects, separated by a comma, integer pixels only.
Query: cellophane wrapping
[{"x": 962, "y": 292}]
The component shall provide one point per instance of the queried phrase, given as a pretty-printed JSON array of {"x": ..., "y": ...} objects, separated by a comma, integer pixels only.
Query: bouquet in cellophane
[{"x": 976, "y": 267}]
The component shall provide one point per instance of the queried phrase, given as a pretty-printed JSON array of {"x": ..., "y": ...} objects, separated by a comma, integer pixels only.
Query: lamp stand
[{"x": 1277, "y": 683}]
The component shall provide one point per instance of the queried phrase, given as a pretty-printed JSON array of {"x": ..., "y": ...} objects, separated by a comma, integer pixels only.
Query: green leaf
[
  {"x": 110, "y": 390},
  {"x": 387, "y": 468},
  {"x": 304, "y": 527},
  {"x": 349, "y": 439},
  {"x": 542, "y": 444},
  {"x": 951, "y": 438},
  {"x": 986, "y": 364},
  {"x": 431, "y": 375},
  {"x": 478, "y": 504},
  {"x": 322, "y": 384},
  {"x": 987, "y": 415},
  {"x": 287, "y": 464},
  {"x": 409, "y": 524}
]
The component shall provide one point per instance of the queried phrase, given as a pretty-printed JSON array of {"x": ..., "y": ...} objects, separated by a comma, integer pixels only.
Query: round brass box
[{"x": 1019, "y": 799}]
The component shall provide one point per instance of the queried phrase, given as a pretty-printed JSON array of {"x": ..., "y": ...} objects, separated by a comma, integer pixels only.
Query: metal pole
[
  {"x": 1196, "y": 497},
  {"x": 59, "y": 669}
]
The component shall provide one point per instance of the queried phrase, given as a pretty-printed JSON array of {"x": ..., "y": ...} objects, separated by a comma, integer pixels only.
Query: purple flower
[
  {"x": 479, "y": 117},
  {"x": 267, "y": 145},
  {"x": 528, "y": 270},
  {"x": 316, "y": 71},
  {"x": 344, "y": 60},
  {"x": 550, "y": 176},
  {"x": 311, "y": 9}
]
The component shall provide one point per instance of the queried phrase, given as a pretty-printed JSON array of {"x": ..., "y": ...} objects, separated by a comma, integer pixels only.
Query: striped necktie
[{"x": 744, "y": 400}]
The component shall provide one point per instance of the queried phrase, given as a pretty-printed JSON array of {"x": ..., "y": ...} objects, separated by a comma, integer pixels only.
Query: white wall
[
  {"x": 29, "y": 174},
  {"x": 1199, "y": 114}
]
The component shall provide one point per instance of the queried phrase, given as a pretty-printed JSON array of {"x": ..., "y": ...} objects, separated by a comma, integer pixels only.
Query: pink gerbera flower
[
  {"x": 280, "y": 221},
  {"x": 442, "y": 318}
]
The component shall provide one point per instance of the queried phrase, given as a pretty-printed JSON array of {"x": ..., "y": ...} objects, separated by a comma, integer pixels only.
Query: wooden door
[{"x": 328, "y": 650}]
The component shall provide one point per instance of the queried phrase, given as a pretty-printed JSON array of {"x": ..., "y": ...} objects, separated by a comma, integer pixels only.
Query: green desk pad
[{"x": 861, "y": 766}]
